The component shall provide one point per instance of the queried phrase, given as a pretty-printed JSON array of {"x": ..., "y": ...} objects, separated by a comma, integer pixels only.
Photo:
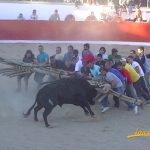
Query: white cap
[{"x": 123, "y": 59}]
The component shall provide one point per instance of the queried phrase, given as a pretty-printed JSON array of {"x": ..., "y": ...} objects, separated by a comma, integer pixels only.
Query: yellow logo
[{"x": 139, "y": 132}]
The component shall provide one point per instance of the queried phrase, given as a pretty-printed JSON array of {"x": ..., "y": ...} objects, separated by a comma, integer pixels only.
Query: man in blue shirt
[
  {"x": 108, "y": 66},
  {"x": 94, "y": 69},
  {"x": 42, "y": 59}
]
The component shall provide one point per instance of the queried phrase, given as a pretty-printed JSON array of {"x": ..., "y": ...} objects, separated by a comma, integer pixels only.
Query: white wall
[
  {"x": 44, "y": 10},
  {"x": 11, "y": 10}
]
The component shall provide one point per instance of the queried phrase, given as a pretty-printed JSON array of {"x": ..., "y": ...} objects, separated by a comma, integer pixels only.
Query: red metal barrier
[{"x": 74, "y": 31}]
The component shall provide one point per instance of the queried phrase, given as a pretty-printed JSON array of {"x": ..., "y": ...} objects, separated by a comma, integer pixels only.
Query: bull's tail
[{"x": 29, "y": 110}]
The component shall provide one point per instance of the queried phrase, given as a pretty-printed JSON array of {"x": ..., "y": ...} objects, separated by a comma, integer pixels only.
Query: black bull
[{"x": 64, "y": 91}]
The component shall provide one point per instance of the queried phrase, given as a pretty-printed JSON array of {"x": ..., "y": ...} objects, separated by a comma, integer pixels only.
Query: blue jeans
[
  {"x": 105, "y": 102},
  {"x": 119, "y": 90}
]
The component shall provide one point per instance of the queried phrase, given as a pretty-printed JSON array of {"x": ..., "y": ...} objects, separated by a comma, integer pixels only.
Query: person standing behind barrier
[
  {"x": 116, "y": 6},
  {"x": 77, "y": 61},
  {"x": 58, "y": 53},
  {"x": 55, "y": 16},
  {"x": 28, "y": 58},
  {"x": 114, "y": 57},
  {"x": 68, "y": 57},
  {"x": 144, "y": 60},
  {"x": 34, "y": 15},
  {"x": 91, "y": 17},
  {"x": 86, "y": 53},
  {"x": 102, "y": 51},
  {"x": 94, "y": 69},
  {"x": 127, "y": 5},
  {"x": 42, "y": 59},
  {"x": 138, "y": 14},
  {"x": 20, "y": 17}
]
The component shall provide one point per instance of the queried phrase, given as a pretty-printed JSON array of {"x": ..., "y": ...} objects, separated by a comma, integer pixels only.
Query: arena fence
[{"x": 96, "y": 32}]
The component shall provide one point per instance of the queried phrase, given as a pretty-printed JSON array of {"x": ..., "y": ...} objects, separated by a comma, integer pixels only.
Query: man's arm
[
  {"x": 137, "y": 69},
  {"x": 148, "y": 55}
]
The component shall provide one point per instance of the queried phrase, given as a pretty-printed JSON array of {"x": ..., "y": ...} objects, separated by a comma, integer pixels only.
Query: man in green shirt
[{"x": 114, "y": 57}]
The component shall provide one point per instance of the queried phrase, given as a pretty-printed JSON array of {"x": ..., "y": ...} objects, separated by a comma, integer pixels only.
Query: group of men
[{"x": 128, "y": 76}]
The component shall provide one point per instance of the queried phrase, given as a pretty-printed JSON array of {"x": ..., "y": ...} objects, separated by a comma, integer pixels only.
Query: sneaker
[
  {"x": 105, "y": 109},
  {"x": 135, "y": 109}
]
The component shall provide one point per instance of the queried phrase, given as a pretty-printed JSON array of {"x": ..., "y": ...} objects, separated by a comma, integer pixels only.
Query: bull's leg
[
  {"x": 89, "y": 109},
  {"x": 85, "y": 110},
  {"x": 47, "y": 111},
  {"x": 36, "y": 109}
]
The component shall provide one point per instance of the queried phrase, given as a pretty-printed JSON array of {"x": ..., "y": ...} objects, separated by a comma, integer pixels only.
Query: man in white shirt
[
  {"x": 77, "y": 61},
  {"x": 34, "y": 15},
  {"x": 58, "y": 53}
]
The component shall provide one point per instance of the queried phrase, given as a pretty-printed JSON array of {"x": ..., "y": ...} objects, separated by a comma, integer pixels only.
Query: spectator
[
  {"x": 28, "y": 58},
  {"x": 85, "y": 71},
  {"x": 116, "y": 6},
  {"x": 34, "y": 15},
  {"x": 94, "y": 69},
  {"x": 58, "y": 55},
  {"x": 114, "y": 57},
  {"x": 127, "y": 5},
  {"x": 91, "y": 17},
  {"x": 70, "y": 18},
  {"x": 55, "y": 16},
  {"x": 68, "y": 57},
  {"x": 138, "y": 14},
  {"x": 77, "y": 61},
  {"x": 102, "y": 51},
  {"x": 117, "y": 18},
  {"x": 77, "y": 3},
  {"x": 20, "y": 17},
  {"x": 56, "y": 63},
  {"x": 99, "y": 59},
  {"x": 42, "y": 59},
  {"x": 144, "y": 61},
  {"x": 86, "y": 53}
]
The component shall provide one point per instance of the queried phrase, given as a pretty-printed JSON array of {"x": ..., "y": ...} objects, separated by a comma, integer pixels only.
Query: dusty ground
[{"x": 73, "y": 131}]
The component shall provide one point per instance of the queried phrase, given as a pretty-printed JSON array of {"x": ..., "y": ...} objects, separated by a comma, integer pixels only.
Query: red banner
[{"x": 74, "y": 31}]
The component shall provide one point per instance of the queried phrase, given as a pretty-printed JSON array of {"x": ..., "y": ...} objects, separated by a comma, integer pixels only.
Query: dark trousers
[
  {"x": 139, "y": 90},
  {"x": 144, "y": 84}
]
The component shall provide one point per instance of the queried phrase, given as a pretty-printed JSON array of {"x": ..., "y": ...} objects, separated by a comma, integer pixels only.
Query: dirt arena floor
[{"x": 72, "y": 130}]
